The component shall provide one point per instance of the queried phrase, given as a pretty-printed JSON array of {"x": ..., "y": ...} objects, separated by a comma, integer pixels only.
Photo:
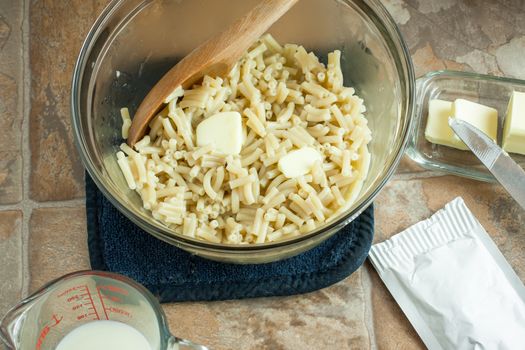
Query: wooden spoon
[{"x": 215, "y": 57}]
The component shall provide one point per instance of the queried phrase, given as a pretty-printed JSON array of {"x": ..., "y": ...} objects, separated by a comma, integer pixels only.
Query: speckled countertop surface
[{"x": 42, "y": 220}]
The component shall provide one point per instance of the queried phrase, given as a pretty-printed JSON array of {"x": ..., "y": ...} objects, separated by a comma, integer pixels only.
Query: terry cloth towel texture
[{"x": 171, "y": 274}]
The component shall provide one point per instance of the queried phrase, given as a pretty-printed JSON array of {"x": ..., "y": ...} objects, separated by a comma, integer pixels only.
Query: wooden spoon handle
[{"x": 214, "y": 57}]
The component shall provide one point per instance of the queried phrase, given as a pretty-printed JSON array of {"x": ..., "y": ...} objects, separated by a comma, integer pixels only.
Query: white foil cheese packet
[{"x": 453, "y": 283}]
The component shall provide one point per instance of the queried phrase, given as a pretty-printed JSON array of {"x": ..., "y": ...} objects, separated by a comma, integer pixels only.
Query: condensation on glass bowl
[{"x": 134, "y": 42}]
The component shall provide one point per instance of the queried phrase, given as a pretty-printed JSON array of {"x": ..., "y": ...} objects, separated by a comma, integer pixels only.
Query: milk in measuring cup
[{"x": 104, "y": 335}]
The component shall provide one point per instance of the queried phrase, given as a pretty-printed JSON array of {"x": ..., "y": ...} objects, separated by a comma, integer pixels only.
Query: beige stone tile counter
[{"x": 42, "y": 219}]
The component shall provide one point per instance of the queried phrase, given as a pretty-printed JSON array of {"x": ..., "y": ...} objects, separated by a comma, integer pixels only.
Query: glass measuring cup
[{"x": 43, "y": 319}]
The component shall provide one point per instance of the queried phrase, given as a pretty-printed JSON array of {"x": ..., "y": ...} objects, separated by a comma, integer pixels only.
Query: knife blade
[{"x": 509, "y": 174}]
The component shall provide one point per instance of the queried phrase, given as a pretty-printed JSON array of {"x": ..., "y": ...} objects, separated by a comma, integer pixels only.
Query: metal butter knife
[{"x": 509, "y": 174}]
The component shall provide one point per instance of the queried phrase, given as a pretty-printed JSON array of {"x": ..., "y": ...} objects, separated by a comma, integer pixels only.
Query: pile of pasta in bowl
[{"x": 273, "y": 150}]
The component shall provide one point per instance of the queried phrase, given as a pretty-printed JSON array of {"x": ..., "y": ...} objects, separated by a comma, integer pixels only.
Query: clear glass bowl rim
[{"x": 194, "y": 244}]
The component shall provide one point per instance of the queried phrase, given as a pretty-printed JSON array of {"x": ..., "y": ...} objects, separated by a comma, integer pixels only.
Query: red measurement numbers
[
  {"x": 81, "y": 302},
  {"x": 45, "y": 331},
  {"x": 110, "y": 294}
]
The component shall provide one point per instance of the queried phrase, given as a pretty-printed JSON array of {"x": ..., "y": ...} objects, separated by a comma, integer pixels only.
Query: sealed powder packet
[{"x": 453, "y": 283}]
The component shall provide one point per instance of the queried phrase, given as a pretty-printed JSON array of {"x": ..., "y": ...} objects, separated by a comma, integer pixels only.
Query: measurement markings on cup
[
  {"x": 112, "y": 294},
  {"x": 81, "y": 302},
  {"x": 90, "y": 305}
]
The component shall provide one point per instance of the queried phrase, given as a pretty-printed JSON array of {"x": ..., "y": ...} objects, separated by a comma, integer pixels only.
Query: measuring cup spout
[
  {"x": 12, "y": 323},
  {"x": 175, "y": 343}
]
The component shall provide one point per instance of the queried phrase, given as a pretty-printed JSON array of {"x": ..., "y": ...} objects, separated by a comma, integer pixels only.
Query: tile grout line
[
  {"x": 26, "y": 152},
  {"x": 31, "y": 204},
  {"x": 369, "y": 317}
]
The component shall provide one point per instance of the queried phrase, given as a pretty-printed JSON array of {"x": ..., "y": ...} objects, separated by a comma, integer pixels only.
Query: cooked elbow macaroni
[{"x": 288, "y": 100}]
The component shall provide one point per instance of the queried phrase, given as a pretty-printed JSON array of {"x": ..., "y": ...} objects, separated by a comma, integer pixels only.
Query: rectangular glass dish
[{"x": 449, "y": 85}]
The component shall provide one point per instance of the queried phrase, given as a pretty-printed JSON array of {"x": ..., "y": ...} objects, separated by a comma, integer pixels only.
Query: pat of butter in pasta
[
  {"x": 514, "y": 131},
  {"x": 223, "y": 131},
  {"x": 299, "y": 162}
]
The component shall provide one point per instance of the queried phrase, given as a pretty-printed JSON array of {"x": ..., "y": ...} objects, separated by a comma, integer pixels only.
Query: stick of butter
[
  {"x": 482, "y": 117},
  {"x": 299, "y": 162},
  {"x": 223, "y": 131},
  {"x": 514, "y": 130},
  {"x": 438, "y": 131}
]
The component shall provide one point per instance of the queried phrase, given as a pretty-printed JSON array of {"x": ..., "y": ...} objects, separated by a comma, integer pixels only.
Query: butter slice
[
  {"x": 299, "y": 162},
  {"x": 437, "y": 130},
  {"x": 223, "y": 131},
  {"x": 514, "y": 130},
  {"x": 482, "y": 117}
]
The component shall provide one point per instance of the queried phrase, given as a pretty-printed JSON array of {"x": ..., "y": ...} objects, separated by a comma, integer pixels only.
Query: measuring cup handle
[{"x": 175, "y": 343}]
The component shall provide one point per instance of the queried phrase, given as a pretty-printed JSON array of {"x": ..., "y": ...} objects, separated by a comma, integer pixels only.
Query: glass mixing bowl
[{"x": 134, "y": 42}]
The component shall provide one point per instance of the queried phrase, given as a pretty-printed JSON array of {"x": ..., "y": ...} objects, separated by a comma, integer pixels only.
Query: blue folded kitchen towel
[{"x": 171, "y": 274}]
